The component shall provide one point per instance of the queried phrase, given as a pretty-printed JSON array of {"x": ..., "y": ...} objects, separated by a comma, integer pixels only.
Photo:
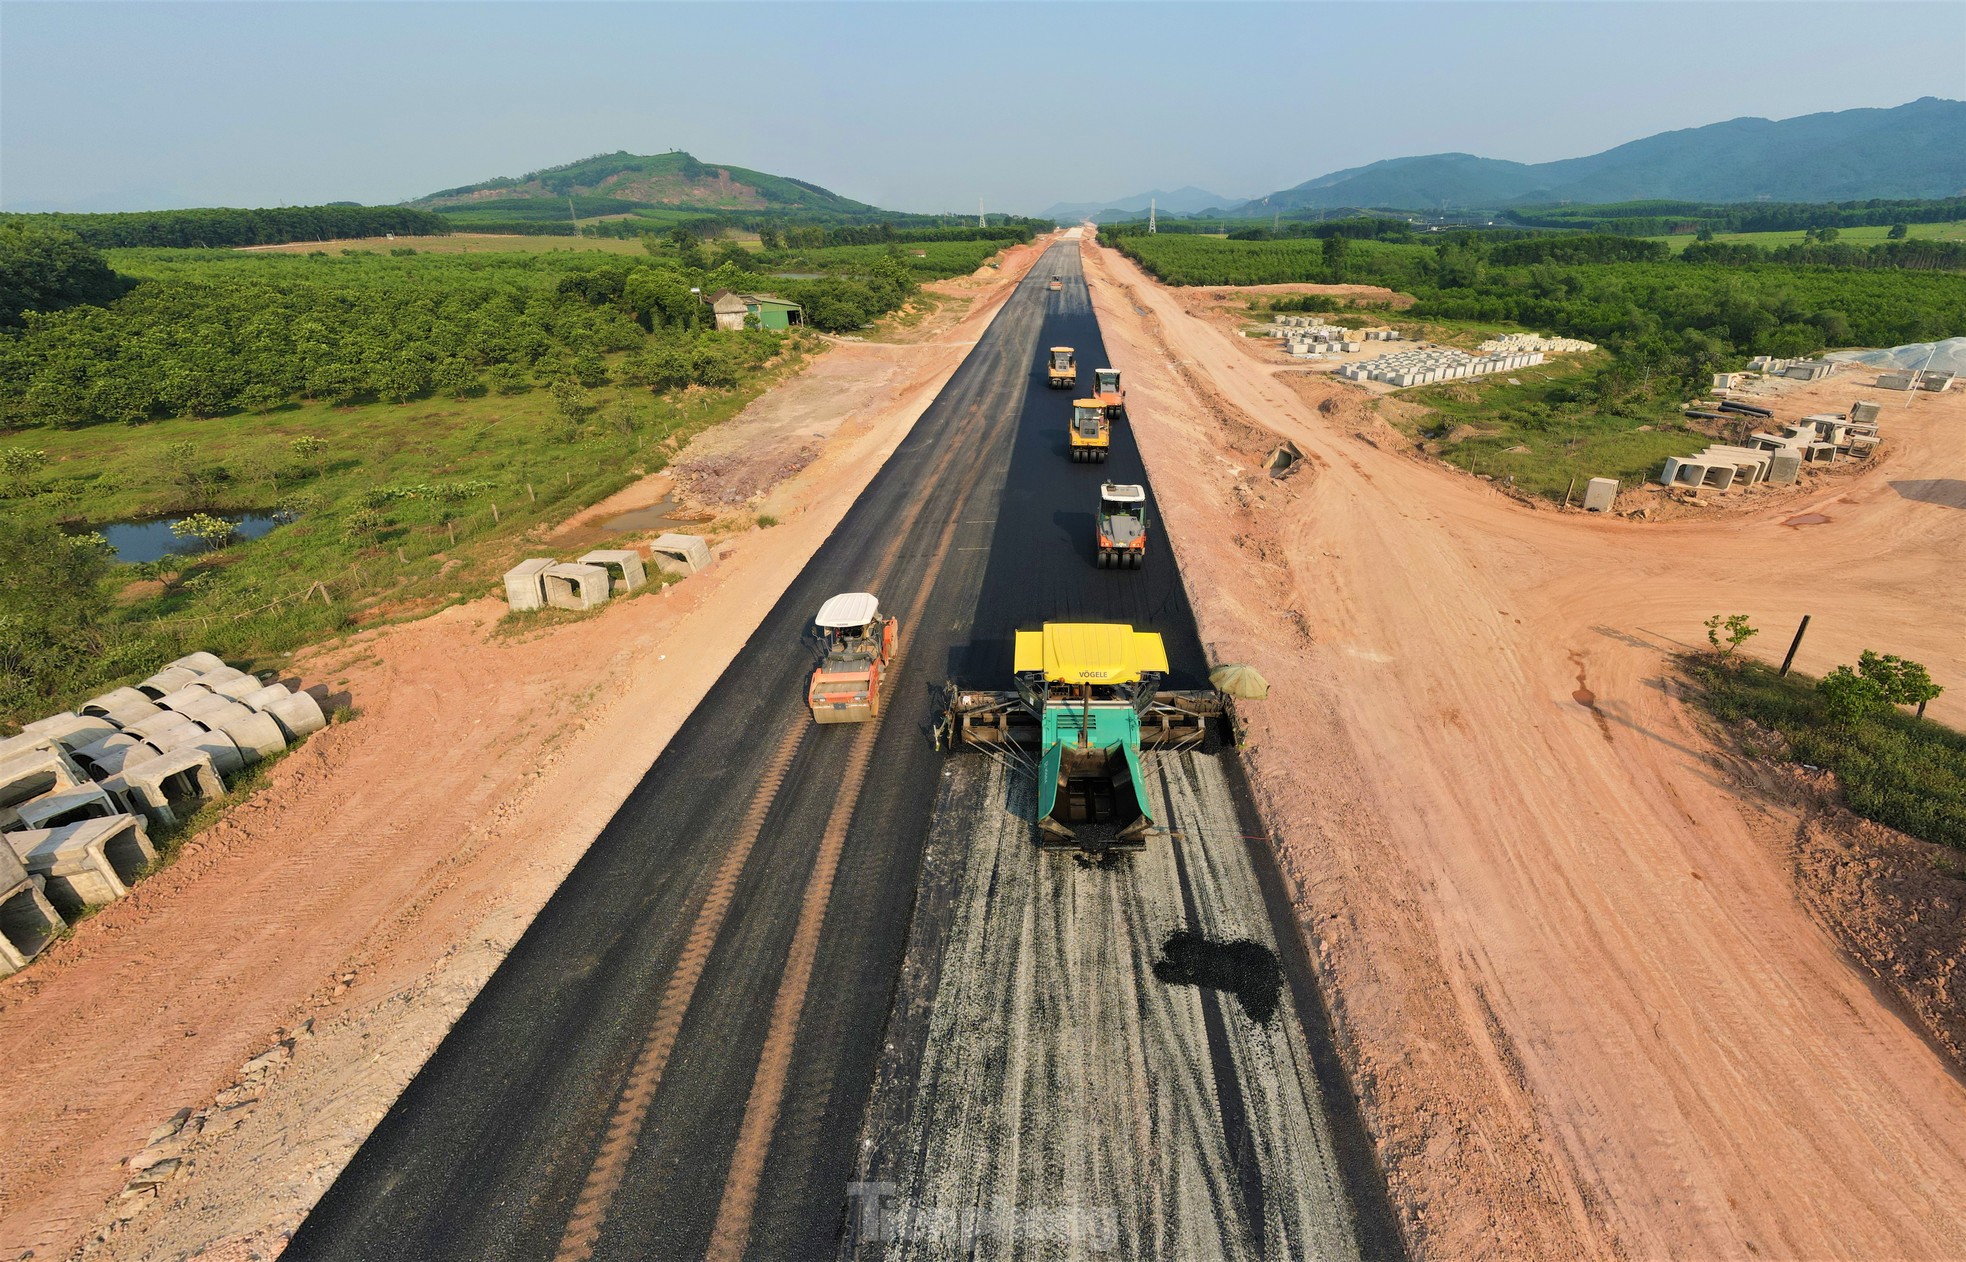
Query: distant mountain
[
  {"x": 1914, "y": 150},
  {"x": 1188, "y": 200},
  {"x": 664, "y": 179}
]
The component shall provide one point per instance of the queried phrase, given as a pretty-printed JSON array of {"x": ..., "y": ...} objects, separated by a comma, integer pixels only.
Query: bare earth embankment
[
  {"x": 1587, "y": 1012},
  {"x": 347, "y": 913}
]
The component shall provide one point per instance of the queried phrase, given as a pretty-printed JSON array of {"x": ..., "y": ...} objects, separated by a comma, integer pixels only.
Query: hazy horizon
[{"x": 911, "y": 107}]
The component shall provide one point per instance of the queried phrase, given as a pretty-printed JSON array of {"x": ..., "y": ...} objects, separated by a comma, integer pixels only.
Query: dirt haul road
[
  {"x": 345, "y": 915},
  {"x": 1588, "y": 1016},
  {"x": 676, "y": 1059}
]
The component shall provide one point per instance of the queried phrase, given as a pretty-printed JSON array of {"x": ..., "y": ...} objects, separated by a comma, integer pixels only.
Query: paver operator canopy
[
  {"x": 1088, "y": 700},
  {"x": 859, "y": 644}
]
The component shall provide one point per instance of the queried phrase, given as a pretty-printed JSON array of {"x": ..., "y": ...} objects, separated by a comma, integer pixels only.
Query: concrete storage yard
[{"x": 975, "y": 528}]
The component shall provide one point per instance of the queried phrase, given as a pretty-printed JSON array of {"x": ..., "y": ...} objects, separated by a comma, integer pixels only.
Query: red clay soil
[
  {"x": 351, "y": 909},
  {"x": 1585, "y": 1007}
]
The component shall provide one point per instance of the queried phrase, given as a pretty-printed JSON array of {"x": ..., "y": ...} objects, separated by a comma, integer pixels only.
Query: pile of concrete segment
[
  {"x": 1777, "y": 457},
  {"x": 1308, "y": 336},
  {"x": 1522, "y": 343},
  {"x": 543, "y": 583},
  {"x": 79, "y": 791},
  {"x": 1436, "y": 363}
]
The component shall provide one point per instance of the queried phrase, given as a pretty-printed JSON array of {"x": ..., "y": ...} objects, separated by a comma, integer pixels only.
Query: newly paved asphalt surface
[{"x": 978, "y": 525}]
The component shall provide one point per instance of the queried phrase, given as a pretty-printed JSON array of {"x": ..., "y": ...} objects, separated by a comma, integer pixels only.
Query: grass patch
[
  {"x": 1868, "y": 234},
  {"x": 1898, "y": 770},
  {"x": 1478, "y": 423}
]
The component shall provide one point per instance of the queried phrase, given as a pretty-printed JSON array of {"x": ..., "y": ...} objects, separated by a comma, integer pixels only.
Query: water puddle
[
  {"x": 656, "y": 516},
  {"x": 150, "y": 538},
  {"x": 1806, "y": 519},
  {"x": 1584, "y": 697},
  {"x": 1248, "y": 970}
]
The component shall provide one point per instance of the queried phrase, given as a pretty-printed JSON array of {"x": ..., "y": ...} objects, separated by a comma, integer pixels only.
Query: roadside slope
[{"x": 1586, "y": 1012}]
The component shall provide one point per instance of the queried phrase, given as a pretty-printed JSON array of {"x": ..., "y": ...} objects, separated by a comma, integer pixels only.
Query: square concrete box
[
  {"x": 1894, "y": 381},
  {"x": 87, "y": 864},
  {"x": 524, "y": 588},
  {"x": 38, "y": 771},
  {"x": 170, "y": 786},
  {"x": 1865, "y": 412},
  {"x": 571, "y": 585},
  {"x": 67, "y": 806},
  {"x": 1785, "y": 468},
  {"x": 28, "y": 922},
  {"x": 1820, "y": 453},
  {"x": 1600, "y": 494},
  {"x": 685, "y": 553}
]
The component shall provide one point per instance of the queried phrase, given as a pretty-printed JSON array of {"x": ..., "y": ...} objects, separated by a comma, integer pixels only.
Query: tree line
[
  {"x": 219, "y": 227},
  {"x": 1664, "y": 218}
]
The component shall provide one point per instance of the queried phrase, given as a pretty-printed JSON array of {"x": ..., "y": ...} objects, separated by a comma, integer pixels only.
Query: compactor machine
[
  {"x": 1092, "y": 433},
  {"x": 1106, "y": 384},
  {"x": 1057, "y": 283},
  {"x": 859, "y": 644},
  {"x": 1122, "y": 526},
  {"x": 1061, "y": 371},
  {"x": 1087, "y": 701}
]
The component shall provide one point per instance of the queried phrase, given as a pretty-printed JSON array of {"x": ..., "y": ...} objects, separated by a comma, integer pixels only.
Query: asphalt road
[{"x": 707, "y": 993}]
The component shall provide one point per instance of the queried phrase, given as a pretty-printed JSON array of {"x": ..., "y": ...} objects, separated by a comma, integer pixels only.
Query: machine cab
[
  {"x": 1063, "y": 360},
  {"x": 850, "y": 627},
  {"x": 1107, "y": 379}
]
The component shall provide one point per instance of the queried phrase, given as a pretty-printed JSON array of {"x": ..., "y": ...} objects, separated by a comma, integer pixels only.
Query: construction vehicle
[
  {"x": 1106, "y": 384},
  {"x": 1062, "y": 371},
  {"x": 1057, "y": 284},
  {"x": 1087, "y": 701},
  {"x": 1091, "y": 432},
  {"x": 1122, "y": 526},
  {"x": 859, "y": 644}
]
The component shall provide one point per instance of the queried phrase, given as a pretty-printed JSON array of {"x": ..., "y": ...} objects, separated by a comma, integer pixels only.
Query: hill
[
  {"x": 1912, "y": 150},
  {"x": 1187, "y": 200},
  {"x": 666, "y": 180}
]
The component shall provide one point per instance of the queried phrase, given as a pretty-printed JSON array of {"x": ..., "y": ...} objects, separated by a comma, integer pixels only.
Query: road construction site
[{"x": 676, "y": 1059}]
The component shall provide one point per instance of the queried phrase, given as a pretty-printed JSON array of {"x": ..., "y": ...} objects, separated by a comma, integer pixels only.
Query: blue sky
[{"x": 910, "y": 106}]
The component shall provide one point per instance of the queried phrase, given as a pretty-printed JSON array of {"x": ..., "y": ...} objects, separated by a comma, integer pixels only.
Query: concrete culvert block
[
  {"x": 166, "y": 681},
  {"x": 243, "y": 686},
  {"x": 133, "y": 712},
  {"x": 39, "y": 771},
  {"x": 687, "y": 554},
  {"x": 257, "y": 736},
  {"x": 1784, "y": 468},
  {"x": 524, "y": 588},
  {"x": 86, "y": 864},
  {"x": 272, "y": 692},
  {"x": 25, "y": 743},
  {"x": 1600, "y": 494},
  {"x": 169, "y": 788},
  {"x": 187, "y": 699},
  {"x": 214, "y": 710},
  {"x": 72, "y": 731},
  {"x": 165, "y": 730},
  {"x": 69, "y": 806},
  {"x": 107, "y": 705},
  {"x": 298, "y": 715},
  {"x": 220, "y": 748},
  {"x": 28, "y": 922},
  {"x": 624, "y": 567},
  {"x": 202, "y": 662},
  {"x": 570, "y": 585},
  {"x": 113, "y": 753}
]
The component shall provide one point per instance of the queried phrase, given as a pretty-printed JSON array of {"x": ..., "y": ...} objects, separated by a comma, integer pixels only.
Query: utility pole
[
  {"x": 1151, "y": 201},
  {"x": 573, "y": 215}
]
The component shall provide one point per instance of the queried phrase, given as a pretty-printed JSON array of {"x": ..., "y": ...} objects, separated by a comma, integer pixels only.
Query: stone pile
[
  {"x": 79, "y": 791},
  {"x": 1438, "y": 363}
]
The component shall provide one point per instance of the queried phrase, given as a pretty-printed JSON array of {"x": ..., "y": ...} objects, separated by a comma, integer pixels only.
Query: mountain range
[
  {"x": 1187, "y": 200},
  {"x": 1912, "y": 150}
]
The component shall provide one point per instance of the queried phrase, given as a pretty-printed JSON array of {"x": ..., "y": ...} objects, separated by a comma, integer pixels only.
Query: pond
[{"x": 150, "y": 539}]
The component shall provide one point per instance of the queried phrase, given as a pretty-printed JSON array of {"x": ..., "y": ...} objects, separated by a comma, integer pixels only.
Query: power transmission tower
[
  {"x": 1151, "y": 203},
  {"x": 981, "y": 222}
]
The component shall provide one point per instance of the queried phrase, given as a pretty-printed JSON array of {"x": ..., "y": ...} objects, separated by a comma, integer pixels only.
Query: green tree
[
  {"x": 213, "y": 532},
  {"x": 1703, "y": 235},
  {"x": 1899, "y": 231},
  {"x": 1337, "y": 255},
  {"x": 1848, "y": 697},
  {"x": 1901, "y": 681},
  {"x": 768, "y": 238},
  {"x": 589, "y": 369},
  {"x": 47, "y": 269},
  {"x": 1734, "y": 628},
  {"x": 572, "y": 400},
  {"x": 688, "y": 249},
  {"x": 309, "y": 452},
  {"x": 17, "y": 466},
  {"x": 509, "y": 379}
]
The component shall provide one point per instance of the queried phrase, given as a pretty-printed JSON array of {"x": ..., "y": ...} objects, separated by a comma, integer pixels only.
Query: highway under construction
[{"x": 816, "y": 992}]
